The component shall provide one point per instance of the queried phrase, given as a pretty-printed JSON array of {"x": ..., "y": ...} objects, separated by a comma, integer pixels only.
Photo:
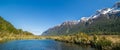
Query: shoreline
[
  {"x": 101, "y": 42},
  {"x": 96, "y": 41}
]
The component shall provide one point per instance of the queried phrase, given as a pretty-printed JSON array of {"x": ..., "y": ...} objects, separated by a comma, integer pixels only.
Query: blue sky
[{"x": 36, "y": 16}]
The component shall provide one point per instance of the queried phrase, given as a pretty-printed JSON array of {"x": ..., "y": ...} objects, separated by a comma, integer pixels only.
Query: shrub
[
  {"x": 116, "y": 46},
  {"x": 103, "y": 44}
]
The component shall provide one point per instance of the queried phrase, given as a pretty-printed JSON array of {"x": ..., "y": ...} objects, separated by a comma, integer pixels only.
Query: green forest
[{"x": 7, "y": 30}]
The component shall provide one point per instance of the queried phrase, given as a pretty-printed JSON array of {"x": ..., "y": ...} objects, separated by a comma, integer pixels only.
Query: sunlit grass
[{"x": 98, "y": 41}]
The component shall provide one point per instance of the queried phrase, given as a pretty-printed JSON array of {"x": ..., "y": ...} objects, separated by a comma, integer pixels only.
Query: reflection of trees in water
[{"x": 4, "y": 41}]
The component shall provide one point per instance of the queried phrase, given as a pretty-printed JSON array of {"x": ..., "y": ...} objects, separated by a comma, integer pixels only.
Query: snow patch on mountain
[
  {"x": 84, "y": 19},
  {"x": 105, "y": 11}
]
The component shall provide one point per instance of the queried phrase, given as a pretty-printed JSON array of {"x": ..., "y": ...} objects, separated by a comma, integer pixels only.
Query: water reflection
[{"x": 41, "y": 45}]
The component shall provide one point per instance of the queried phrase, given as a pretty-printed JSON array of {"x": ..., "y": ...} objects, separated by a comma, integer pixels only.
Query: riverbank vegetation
[
  {"x": 102, "y": 42},
  {"x": 21, "y": 37}
]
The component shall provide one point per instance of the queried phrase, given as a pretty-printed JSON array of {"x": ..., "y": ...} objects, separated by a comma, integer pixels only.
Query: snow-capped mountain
[
  {"x": 116, "y": 6},
  {"x": 84, "y": 19},
  {"x": 115, "y": 9},
  {"x": 102, "y": 18}
]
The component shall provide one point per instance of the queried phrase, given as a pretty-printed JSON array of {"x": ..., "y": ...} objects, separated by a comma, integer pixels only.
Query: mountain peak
[
  {"x": 100, "y": 21},
  {"x": 84, "y": 19},
  {"x": 117, "y": 5},
  {"x": 104, "y": 11}
]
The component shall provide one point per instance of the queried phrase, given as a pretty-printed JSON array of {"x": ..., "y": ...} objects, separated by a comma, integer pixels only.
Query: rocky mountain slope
[{"x": 104, "y": 21}]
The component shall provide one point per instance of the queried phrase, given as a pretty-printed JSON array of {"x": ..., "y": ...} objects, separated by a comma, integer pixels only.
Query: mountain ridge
[{"x": 100, "y": 19}]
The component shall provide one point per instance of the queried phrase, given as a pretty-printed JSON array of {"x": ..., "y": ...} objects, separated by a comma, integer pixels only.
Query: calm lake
[{"x": 41, "y": 45}]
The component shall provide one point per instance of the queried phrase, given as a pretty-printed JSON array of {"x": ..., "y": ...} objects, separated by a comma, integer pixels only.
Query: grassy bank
[
  {"x": 102, "y": 42},
  {"x": 21, "y": 37}
]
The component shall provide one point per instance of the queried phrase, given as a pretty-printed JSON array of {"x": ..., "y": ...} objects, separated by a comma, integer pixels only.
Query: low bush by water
[{"x": 102, "y": 42}]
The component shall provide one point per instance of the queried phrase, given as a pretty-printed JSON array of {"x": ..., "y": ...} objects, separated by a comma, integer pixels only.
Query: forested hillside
[{"x": 6, "y": 28}]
